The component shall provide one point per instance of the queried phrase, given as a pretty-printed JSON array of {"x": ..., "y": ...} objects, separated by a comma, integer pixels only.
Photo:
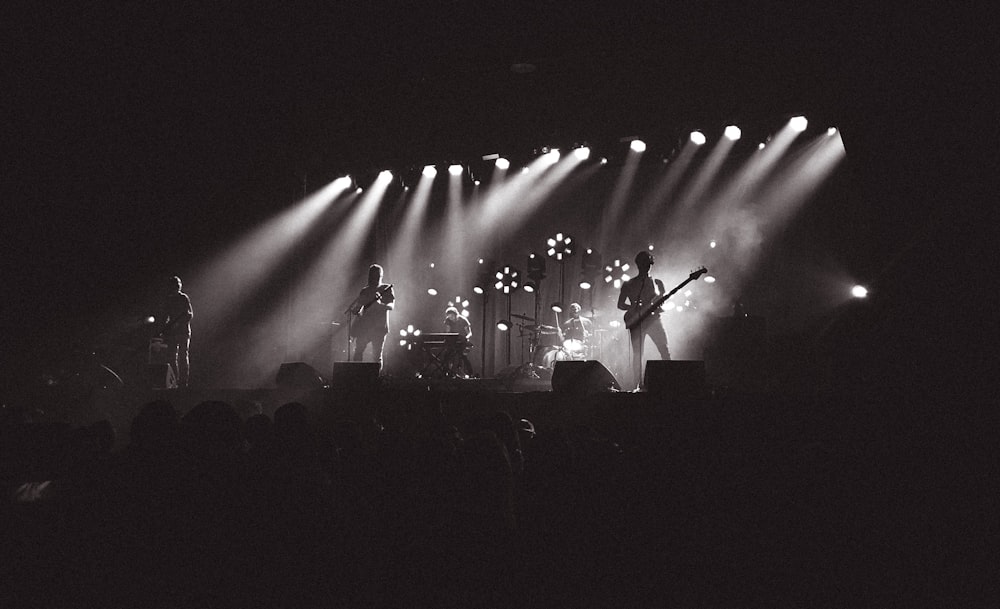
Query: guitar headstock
[{"x": 695, "y": 274}]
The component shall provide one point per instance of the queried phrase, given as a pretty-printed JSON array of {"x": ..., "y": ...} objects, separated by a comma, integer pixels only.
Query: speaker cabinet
[
  {"x": 298, "y": 375},
  {"x": 675, "y": 378},
  {"x": 355, "y": 376},
  {"x": 583, "y": 377}
]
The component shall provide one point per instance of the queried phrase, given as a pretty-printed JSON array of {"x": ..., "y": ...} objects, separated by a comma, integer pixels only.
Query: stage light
[
  {"x": 342, "y": 183},
  {"x": 616, "y": 273},
  {"x": 508, "y": 279},
  {"x": 582, "y": 153},
  {"x": 733, "y": 133},
  {"x": 408, "y": 336},
  {"x": 798, "y": 123},
  {"x": 502, "y": 163},
  {"x": 557, "y": 307},
  {"x": 614, "y": 323},
  {"x": 430, "y": 171},
  {"x": 637, "y": 146},
  {"x": 551, "y": 157},
  {"x": 150, "y": 320},
  {"x": 455, "y": 170},
  {"x": 831, "y": 131},
  {"x": 530, "y": 286},
  {"x": 561, "y": 246},
  {"x": 712, "y": 244},
  {"x": 697, "y": 138},
  {"x": 585, "y": 284},
  {"x": 385, "y": 176},
  {"x": 503, "y": 325},
  {"x": 709, "y": 279},
  {"x": 462, "y": 304},
  {"x": 432, "y": 291},
  {"x": 478, "y": 289},
  {"x": 859, "y": 291},
  {"x": 760, "y": 146}
]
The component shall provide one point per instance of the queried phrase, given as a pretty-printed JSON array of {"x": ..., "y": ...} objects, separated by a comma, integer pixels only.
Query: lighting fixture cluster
[
  {"x": 616, "y": 273},
  {"x": 508, "y": 279},
  {"x": 560, "y": 247}
]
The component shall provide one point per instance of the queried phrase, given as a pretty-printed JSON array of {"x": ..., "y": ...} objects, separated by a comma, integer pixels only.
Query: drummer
[{"x": 577, "y": 328}]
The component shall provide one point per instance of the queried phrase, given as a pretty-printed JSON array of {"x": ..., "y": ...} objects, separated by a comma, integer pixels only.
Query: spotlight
[
  {"x": 502, "y": 163},
  {"x": 859, "y": 291},
  {"x": 385, "y": 176},
  {"x": 432, "y": 291},
  {"x": 530, "y": 286},
  {"x": 712, "y": 244},
  {"x": 455, "y": 170},
  {"x": 831, "y": 131},
  {"x": 733, "y": 132},
  {"x": 503, "y": 325},
  {"x": 508, "y": 280},
  {"x": 582, "y": 153},
  {"x": 616, "y": 273},
  {"x": 343, "y": 182},
  {"x": 478, "y": 289},
  {"x": 551, "y": 157},
  {"x": 760, "y": 146},
  {"x": 637, "y": 146},
  {"x": 585, "y": 284},
  {"x": 709, "y": 279},
  {"x": 557, "y": 307},
  {"x": 560, "y": 246},
  {"x": 462, "y": 304},
  {"x": 798, "y": 123},
  {"x": 408, "y": 336},
  {"x": 697, "y": 138},
  {"x": 151, "y": 320},
  {"x": 430, "y": 171}
]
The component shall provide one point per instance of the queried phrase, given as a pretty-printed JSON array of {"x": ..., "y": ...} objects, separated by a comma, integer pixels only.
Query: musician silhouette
[
  {"x": 635, "y": 294},
  {"x": 371, "y": 309},
  {"x": 456, "y": 358}
]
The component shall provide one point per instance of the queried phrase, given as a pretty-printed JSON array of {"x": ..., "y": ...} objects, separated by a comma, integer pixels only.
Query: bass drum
[{"x": 552, "y": 356}]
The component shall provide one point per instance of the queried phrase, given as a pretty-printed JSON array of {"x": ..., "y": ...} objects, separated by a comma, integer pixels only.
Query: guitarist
[
  {"x": 372, "y": 307},
  {"x": 176, "y": 314},
  {"x": 637, "y": 293}
]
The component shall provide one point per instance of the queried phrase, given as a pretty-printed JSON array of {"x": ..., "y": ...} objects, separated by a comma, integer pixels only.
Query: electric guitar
[{"x": 635, "y": 315}]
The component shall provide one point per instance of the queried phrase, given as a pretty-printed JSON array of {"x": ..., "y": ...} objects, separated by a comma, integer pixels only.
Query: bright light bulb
[
  {"x": 502, "y": 163},
  {"x": 582, "y": 153},
  {"x": 455, "y": 170},
  {"x": 638, "y": 146},
  {"x": 430, "y": 171},
  {"x": 697, "y": 138},
  {"x": 798, "y": 123},
  {"x": 733, "y": 132}
]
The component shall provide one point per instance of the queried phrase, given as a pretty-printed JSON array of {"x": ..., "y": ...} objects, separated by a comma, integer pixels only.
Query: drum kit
[{"x": 548, "y": 344}]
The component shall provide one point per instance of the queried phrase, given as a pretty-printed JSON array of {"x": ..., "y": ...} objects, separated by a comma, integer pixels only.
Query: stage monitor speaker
[
  {"x": 355, "y": 376},
  {"x": 583, "y": 377},
  {"x": 161, "y": 376},
  {"x": 676, "y": 378},
  {"x": 298, "y": 375}
]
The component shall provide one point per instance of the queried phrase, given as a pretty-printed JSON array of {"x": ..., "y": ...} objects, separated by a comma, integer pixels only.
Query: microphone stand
[{"x": 350, "y": 312}]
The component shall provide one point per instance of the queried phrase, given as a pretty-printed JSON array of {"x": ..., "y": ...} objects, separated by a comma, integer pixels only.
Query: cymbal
[{"x": 524, "y": 317}]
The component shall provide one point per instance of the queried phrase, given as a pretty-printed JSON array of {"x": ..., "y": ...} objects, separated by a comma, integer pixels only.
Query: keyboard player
[{"x": 456, "y": 357}]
